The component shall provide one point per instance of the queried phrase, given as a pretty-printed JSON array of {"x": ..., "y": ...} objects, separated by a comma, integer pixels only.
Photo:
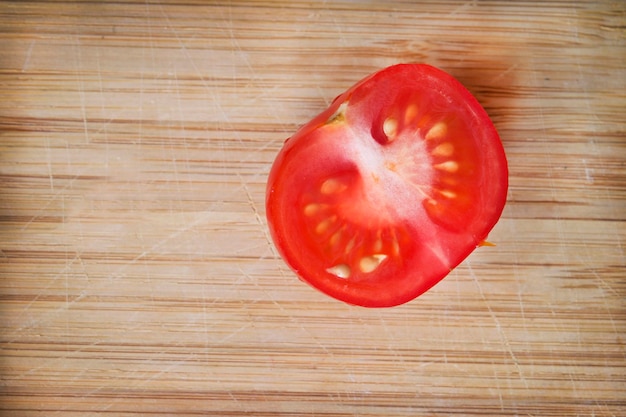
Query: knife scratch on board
[
  {"x": 503, "y": 337},
  {"x": 29, "y": 53},
  {"x": 78, "y": 70},
  {"x": 293, "y": 319},
  {"x": 257, "y": 215},
  {"x": 201, "y": 74}
]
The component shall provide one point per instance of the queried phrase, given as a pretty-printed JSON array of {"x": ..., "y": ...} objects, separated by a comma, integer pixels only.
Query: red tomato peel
[{"x": 381, "y": 195}]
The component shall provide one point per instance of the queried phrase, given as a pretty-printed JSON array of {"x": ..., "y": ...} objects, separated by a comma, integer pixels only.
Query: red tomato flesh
[{"x": 380, "y": 196}]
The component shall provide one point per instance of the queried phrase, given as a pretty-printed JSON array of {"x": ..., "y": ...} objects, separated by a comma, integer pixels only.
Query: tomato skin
[{"x": 381, "y": 195}]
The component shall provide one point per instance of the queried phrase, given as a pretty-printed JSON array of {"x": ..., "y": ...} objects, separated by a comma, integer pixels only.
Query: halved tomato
[{"x": 380, "y": 196}]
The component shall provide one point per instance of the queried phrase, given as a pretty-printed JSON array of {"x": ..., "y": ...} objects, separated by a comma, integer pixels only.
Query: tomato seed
[
  {"x": 312, "y": 209},
  {"x": 332, "y": 186},
  {"x": 334, "y": 239},
  {"x": 324, "y": 225},
  {"x": 370, "y": 263},
  {"x": 390, "y": 128},
  {"x": 340, "y": 271},
  {"x": 448, "y": 193},
  {"x": 410, "y": 114},
  {"x": 449, "y": 166},
  {"x": 437, "y": 131},
  {"x": 445, "y": 149},
  {"x": 378, "y": 245}
]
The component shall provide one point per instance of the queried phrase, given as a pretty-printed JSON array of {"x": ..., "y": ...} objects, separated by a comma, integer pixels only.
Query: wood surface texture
[{"x": 137, "y": 274}]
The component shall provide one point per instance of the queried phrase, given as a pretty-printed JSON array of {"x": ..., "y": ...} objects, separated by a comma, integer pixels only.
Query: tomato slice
[{"x": 380, "y": 196}]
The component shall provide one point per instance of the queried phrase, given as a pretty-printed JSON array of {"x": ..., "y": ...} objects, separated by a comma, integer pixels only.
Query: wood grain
[{"x": 137, "y": 273}]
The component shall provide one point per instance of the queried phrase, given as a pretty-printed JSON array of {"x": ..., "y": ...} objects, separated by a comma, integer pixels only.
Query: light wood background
[{"x": 137, "y": 277}]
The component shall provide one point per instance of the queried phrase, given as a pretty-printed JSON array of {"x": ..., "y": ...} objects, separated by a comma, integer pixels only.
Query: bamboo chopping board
[{"x": 137, "y": 273}]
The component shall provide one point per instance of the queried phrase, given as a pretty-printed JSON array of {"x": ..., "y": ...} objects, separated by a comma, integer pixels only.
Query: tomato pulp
[{"x": 381, "y": 195}]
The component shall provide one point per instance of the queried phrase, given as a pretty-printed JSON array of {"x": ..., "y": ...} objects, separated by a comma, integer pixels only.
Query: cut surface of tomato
[{"x": 381, "y": 195}]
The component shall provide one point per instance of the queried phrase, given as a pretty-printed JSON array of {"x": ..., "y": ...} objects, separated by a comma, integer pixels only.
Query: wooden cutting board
[{"x": 137, "y": 273}]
